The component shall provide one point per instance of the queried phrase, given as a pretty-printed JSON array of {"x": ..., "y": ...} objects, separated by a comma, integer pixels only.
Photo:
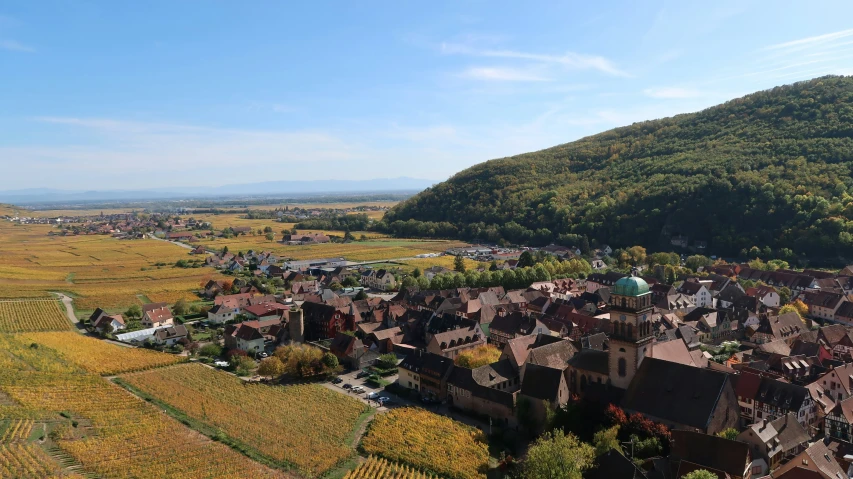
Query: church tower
[{"x": 631, "y": 325}]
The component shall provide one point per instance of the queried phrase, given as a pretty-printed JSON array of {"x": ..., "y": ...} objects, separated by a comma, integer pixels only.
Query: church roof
[{"x": 631, "y": 286}]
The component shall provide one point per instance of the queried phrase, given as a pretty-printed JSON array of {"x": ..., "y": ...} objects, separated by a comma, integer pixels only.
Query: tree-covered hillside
[{"x": 772, "y": 169}]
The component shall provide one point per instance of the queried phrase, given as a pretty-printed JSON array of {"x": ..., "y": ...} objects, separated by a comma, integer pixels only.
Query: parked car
[
  {"x": 347, "y": 386},
  {"x": 384, "y": 400},
  {"x": 337, "y": 381},
  {"x": 263, "y": 355},
  {"x": 358, "y": 389},
  {"x": 372, "y": 395},
  {"x": 221, "y": 364},
  {"x": 362, "y": 374}
]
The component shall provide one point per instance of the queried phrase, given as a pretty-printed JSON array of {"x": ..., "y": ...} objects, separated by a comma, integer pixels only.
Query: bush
[
  {"x": 210, "y": 350},
  {"x": 387, "y": 361}
]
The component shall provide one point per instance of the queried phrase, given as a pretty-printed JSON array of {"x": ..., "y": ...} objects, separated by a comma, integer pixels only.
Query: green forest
[{"x": 771, "y": 169}]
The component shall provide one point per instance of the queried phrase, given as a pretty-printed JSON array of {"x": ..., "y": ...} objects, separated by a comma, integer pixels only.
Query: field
[
  {"x": 428, "y": 442},
  {"x": 96, "y": 270},
  {"x": 100, "y": 427},
  {"x": 307, "y": 426},
  {"x": 445, "y": 261},
  {"x": 96, "y": 356},
  {"x": 379, "y": 468},
  {"x": 32, "y": 315}
]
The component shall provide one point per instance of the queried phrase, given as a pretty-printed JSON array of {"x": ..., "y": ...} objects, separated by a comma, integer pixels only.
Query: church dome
[{"x": 631, "y": 286}]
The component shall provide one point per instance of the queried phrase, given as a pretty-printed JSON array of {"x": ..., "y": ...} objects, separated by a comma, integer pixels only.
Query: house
[
  {"x": 380, "y": 279},
  {"x": 541, "y": 385},
  {"x": 171, "y": 335},
  {"x": 306, "y": 238},
  {"x": 100, "y": 320},
  {"x": 833, "y": 386},
  {"x": 693, "y": 450},
  {"x": 155, "y": 315},
  {"x": 838, "y": 422},
  {"x": 766, "y": 294},
  {"x": 383, "y": 341},
  {"x": 761, "y": 397},
  {"x": 426, "y": 373},
  {"x": 683, "y": 397},
  {"x": 823, "y": 304},
  {"x": 214, "y": 288},
  {"x": 697, "y": 292},
  {"x": 324, "y": 321},
  {"x": 816, "y": 462},
  {"x": 488, "y": 390},
  {"x": 504, "y": 328},
  {"x": 265, "y": 310},
  {"x": 350, "y": 351},
  {"x": 775, "y": 441},
  {"x": 219, "y": 314},
  {"x": 456, "y": 341},
  {"x": 597, "y": 280},
  {"x": 245, "y": 337}
]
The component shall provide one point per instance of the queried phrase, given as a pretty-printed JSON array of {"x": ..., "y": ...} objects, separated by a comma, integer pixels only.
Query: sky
[{"x": 133, "y": 95}]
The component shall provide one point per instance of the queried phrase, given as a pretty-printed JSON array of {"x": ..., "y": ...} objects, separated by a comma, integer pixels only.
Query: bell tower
[{"x": 631, "y": 338}]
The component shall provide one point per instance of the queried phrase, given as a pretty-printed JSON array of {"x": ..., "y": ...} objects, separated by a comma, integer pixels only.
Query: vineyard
[
  {"x": 18, "y": 430},
  {"x": 379, "y": 468},
  {"x": 98, "y": 357},
  {"x": 428, "y": 441},
  {"x": 32, "y": 315},
  {"x": 306, "y": 426},
  {"x": 97, "y": 270},
  {"x": 26, "y": 461},
  {"x": 116, "y": 436}
]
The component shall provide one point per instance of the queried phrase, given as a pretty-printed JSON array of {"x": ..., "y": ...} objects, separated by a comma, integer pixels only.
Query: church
[{"x": 630, "y": 340}]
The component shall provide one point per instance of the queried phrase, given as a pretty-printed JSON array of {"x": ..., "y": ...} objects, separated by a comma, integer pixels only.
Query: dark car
[
  {"x": 337, "y": 381},
  {"x": 362, "y": 374},
  {"x": 347, "y": 386}
]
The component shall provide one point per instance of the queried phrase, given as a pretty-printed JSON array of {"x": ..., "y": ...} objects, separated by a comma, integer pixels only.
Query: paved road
[{"x": 182, "y": 245}]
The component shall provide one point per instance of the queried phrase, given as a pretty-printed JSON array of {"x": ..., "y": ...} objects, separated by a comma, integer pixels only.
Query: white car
[
  {"x": 221, "y": 364},
  {"x": 372, "y": 395},
  {"x": 358, "y": 389}
]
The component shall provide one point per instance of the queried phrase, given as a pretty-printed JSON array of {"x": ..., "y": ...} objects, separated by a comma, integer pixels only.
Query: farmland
[
  {"x": 96, "y": 270},
  {"x": 306, "y": 426},
  {"x": 379, "y": 468},
  {"x": 99, "y": 426},
  {"x": 98, "y": 357},
  {"x": 426, "y": 441},
  {"x": 32, "y": 315}
]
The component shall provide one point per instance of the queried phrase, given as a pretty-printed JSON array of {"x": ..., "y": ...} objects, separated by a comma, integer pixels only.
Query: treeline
[
  {"x": 771, "y": 170},
  {"x": 518, "y": 278},
  {"x": 356, "y": 222}
]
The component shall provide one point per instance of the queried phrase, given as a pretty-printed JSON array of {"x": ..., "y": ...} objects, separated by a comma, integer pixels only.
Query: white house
[
  {"x": 170, "y": 335},
  {"x": 221, "y": 313},
  {"x": 155, "y": 315},
  {"x": 379, "y": 279},
  {"x": 697, "y": 293}
]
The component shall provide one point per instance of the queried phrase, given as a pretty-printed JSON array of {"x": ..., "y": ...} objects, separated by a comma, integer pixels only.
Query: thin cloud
[
  {"x": 15, "y": 46},
  {"x": 502, "y": 74},
  {"x": 570, "y": 60},
  {"x": 673, "y": 93},
  {"x": 808, "y": 41}
]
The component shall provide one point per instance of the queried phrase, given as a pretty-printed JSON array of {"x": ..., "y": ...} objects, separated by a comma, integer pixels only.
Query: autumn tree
[
  {"x": 607, "y": 439},
  {"x": 480, "y": 356},
  {"x": 700, "y": 474},
  {"x": 271, "y": 366},
  {"x": 459, "y": 264},
  {"x": 556, "y": 455},
  {"x": 730, "y": 433}
]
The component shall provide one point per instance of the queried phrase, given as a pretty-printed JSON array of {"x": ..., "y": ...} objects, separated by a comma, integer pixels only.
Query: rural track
[{"x": 68, "y": 302}]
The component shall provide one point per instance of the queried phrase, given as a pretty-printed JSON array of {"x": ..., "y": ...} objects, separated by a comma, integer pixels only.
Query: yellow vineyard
[
  {"x": 32, "y": 315},
  {"x": 97, "y": 270},
  {"x": 26, "y": 461},
  {"x": 379, "y": 468},
  {"x": 17, "y": 430},
  {"x": 96, "y": 356},
  {"x": 428, "y": 442},
  {"x": 306, "y": 426}
]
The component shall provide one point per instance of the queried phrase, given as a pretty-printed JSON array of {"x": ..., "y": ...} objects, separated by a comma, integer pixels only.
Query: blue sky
[{"x": 126, "y": 95}]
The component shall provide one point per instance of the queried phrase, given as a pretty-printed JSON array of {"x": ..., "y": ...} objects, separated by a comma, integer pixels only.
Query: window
[{"x": 622, "y": 366}]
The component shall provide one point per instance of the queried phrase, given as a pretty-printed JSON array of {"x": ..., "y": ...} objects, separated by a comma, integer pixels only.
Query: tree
[
  {"x": 211, "y": 350},
  {"x": 525, "y": 260},
  {"x": 350, "y": 282},
  {"x": 459, "y": 264},
  {"x": 225, "y": 250},
  {"x": 416, "y": 273},
  {"x": 180, "y": 307},
  {"x": 784, "y": 295},
  {"x": 271, "y": 366},
  {"x": 330, "y": 361},
  {"x": 387, "y": 361},
  {"x": 335, "y": 286},
  {"x": 607, "y": 439},
  {"x": 556, "y": 455},
  {"x": 730, "y": 433},
  {"x": 270, "y": 236},
  {"x": 696, "y": 261},
  {"x": 479, "y": 356},
  {"x": 700, "y": 474},
  {"x": 133, "y": 312},
  {"x": 493, "y": 266},
  {"x": 798, "y": 307},
  {"x": 361, "y": 295},
  {"x": 242, "y": 365}
]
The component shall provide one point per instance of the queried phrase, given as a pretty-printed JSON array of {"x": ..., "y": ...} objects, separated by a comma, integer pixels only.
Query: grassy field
[
  {"x": 428, "y": 441},
  {"x": 306, "y": 426},
  {"x": 97, "y": 270}
]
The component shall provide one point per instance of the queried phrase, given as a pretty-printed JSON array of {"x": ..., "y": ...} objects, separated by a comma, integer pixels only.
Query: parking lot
[{"x": 350, "y": 378}]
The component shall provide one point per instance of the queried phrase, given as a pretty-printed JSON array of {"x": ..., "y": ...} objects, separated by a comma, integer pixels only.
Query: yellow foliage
[
  {"x": 306, "y": 425},
  {"x": 428, "y": 442},
  {"x": 481, "y": 356},
  {"x": 32, "y": 315},
  {"x": 380, "y": 468}
]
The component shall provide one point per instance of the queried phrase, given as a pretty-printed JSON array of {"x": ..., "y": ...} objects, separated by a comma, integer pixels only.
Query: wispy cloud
[
  {"x": 811, "y": 41},
  {"x": 571, "y": 60},
  {"x": 502, "y": 74},
  {"x": 673, "y": 93},
  {"x": 15, "y": 46}
]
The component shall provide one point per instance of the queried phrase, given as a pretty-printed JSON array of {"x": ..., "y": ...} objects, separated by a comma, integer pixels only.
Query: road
[
  {"x": 69, "y": 311},
  {"x": 182, "y": 245}
]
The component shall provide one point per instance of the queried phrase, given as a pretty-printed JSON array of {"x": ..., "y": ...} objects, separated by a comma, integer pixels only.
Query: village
[{"x": 741, "y": 369}]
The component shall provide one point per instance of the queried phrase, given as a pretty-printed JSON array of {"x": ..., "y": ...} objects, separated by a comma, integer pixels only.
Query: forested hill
[{"x": 772, "y": 169}]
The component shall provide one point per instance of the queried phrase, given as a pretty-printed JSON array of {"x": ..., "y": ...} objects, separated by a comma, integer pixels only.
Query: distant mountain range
[{"x": 267, "y": 188}]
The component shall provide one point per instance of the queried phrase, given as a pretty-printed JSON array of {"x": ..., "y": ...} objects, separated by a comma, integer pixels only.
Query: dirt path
[
  {"x": 182, "y": 245},
  {"x": 363, "y": 429},
  {"x": 69, "y": 311}
]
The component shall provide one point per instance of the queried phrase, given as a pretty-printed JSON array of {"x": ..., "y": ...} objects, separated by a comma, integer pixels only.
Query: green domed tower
[{"x": 631, "y": 337}]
